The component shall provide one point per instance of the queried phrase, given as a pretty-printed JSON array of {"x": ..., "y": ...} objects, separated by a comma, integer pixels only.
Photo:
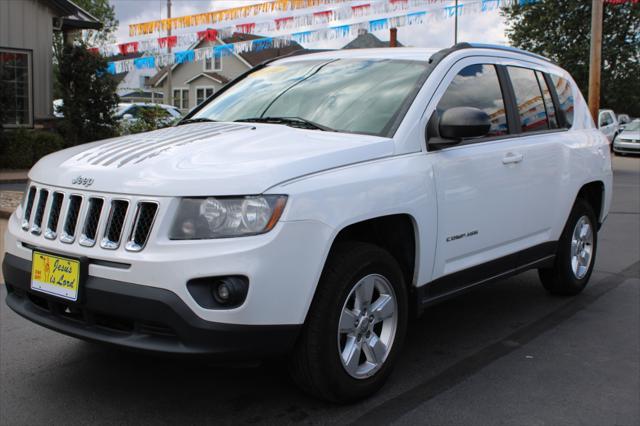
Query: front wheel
[
  {"x": 355, "y": 326},
  {"x": 576, "y": 253}
]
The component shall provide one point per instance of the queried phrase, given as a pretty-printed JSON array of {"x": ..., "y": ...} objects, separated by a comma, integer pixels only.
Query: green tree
[
  {"x": 560, "y": 30},
  {"x": 106, "y": 14},
  {"x": 88, "y": 94}
]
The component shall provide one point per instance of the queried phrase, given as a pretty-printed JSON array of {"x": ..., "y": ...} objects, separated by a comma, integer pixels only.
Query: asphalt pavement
[{"x": 504, "y": 354}]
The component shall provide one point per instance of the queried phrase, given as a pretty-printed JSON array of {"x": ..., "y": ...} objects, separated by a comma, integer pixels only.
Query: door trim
[{"x": 539, "y": 256}]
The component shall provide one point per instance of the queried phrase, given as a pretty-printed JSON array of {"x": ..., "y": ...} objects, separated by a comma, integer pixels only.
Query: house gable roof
[
  {"x": 210, "y": 75},
  {"x": 251, "y": 59},
  {"x": 367, "y": 41}
]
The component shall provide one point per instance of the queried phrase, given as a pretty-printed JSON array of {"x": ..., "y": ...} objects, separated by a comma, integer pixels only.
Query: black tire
[
  {"x": 561, "y": 279},
  {"x": 316, "y": 365}
]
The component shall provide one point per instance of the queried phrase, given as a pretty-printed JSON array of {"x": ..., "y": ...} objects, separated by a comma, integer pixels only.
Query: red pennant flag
[
  {"x": 170, "y": 41},
  {"x": 246, "y": 28},
  {"x": 126, "y": 48},
  {"x": 281, "y": 22},
  {"x": 209, "y": 35},
  {"x": 324, "y": 13}
]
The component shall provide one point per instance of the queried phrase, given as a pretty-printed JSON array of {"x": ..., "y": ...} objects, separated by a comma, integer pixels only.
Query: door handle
[{"x": 511, "y": 158}]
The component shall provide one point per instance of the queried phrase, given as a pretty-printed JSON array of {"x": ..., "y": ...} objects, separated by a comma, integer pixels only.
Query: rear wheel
[
  {"x": 576, "y": 253},
  {"x": 355, "y": 326}
]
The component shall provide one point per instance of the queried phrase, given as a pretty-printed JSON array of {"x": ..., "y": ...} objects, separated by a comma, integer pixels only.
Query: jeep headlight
[{"x": 225, "y": 217}]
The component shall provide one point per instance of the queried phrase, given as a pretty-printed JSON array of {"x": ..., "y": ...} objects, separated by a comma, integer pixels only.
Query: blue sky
[{"x": 486, "y": 27}]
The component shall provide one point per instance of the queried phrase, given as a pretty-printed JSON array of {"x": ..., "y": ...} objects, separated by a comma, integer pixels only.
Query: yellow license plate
[{"x": 55, "y": 275}]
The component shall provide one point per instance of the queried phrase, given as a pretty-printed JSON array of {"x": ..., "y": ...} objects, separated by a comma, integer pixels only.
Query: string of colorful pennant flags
[
  {"x": 416, "y": 16},
  {"x": 340, "y": 12}
]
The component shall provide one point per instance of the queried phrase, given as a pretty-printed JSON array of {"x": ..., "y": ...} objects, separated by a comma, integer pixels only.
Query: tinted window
[
  {"x": 155, "y": 112},
  {"x": 531, "y": 109},
  {"x": 133, "y": 111},
  {"x": 548, "y": 101},
  {"x": 565, "y": 97},
  {"x": 477, "y": 86}
]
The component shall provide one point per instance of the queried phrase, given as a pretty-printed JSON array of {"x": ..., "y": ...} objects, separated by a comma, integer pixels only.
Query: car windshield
[
  {"x": 633, "y": 126},
  {"x": 349, "y": 95}
]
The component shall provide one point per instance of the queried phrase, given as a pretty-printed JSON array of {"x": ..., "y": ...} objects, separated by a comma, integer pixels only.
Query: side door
[
  {"x": 480, "y": 184},
  {"x": 606, "y": 124},
  {"x": 542, "y": 143}
]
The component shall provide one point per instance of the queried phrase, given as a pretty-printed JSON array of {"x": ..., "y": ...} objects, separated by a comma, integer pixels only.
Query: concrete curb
[
  {"x": 9, "y": 201},
  {"x": 13, "y": 180},
  {"x": 13, "y": 176}
]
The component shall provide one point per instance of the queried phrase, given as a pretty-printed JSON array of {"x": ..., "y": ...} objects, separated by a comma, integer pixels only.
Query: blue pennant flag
[
  {"x": 185, "y": 56},
  {"x": 378, "y": 24},
  {"x": 145, "y": 62},
  {"x": 262, "y": 44},
  {"x": 222, "y": 49}
]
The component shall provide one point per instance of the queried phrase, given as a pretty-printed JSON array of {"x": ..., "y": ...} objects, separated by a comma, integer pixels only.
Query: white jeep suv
[{"x": 312, "y": 206}]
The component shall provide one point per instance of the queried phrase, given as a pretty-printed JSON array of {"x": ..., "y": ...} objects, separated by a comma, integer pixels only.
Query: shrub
[
  {"x": 150, "y": 118},
  {"x": 21, "y": 149},
  {"x": 88, "y": 96}
]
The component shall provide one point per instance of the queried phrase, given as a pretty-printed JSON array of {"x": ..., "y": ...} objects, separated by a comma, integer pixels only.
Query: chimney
[{"x": 393, "y": 37}]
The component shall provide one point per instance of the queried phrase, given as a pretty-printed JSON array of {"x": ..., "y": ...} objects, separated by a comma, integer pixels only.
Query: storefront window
[{"x": 15, "y": 88}]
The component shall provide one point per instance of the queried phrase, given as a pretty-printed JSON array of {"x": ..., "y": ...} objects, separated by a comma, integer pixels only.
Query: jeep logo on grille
[{"x": 84, "y": 181}]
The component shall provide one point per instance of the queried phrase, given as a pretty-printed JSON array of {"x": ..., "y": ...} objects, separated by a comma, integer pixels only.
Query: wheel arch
[
  {"x": 593, "y": 193},
  {"x": 396, "y": 233}
]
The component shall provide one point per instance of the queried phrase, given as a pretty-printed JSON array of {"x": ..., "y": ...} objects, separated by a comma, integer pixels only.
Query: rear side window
[
  {"x": 531, "y": 106},
  {"x": 477, "y": 86},
  {"x": 565, "y": 98},
  {"x": 548, "y": 101}
]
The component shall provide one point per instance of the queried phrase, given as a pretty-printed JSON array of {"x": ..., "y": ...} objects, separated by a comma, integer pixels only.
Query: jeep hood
[{"x": 205, "y": 159}]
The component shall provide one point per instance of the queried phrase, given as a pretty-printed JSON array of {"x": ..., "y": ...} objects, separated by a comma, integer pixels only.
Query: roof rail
[{"x": 466, "y": 45}]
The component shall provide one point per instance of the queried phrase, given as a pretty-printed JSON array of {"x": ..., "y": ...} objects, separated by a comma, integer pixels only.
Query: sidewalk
[
  {"x": 9, "y": 200},
  {"x": 13, "y": 176}
]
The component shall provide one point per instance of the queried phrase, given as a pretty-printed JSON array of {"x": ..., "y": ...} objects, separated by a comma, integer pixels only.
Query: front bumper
[
  {"x": 140, "y": 317},
  {"x": 626, "y": 147}
]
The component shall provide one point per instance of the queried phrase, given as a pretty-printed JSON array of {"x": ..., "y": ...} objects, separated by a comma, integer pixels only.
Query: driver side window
[{"x": 478, "y": 86}]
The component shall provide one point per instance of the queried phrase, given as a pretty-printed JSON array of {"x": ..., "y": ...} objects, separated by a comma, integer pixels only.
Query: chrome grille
[
  {"x": 85, "y": 218},
  {"x": 91, "y": 222},
  {"x": 142, "y": 224},
  {"x": 70, "y": 223},
  {"x": 36, "y": 226},
  {"x": 113, "y": 231},
  {"x": 54, "y": 215},
  {"x": 28, "y": 207}
]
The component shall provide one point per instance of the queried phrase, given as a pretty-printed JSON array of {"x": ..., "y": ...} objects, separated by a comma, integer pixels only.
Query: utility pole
[
  {"x": 455, "y": 33},
  {"x": 595, "y": 58},
  {"x": 169, "y": 82}
]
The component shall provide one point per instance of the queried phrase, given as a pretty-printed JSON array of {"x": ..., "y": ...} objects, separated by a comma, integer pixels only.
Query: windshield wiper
[
  {"x": 195, "y": 120},
  {"x": 299, "y": 122}
]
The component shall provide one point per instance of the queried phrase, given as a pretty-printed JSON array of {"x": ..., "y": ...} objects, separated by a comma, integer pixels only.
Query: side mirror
[
  {"x": 464, "y": 122},
  {"x": 456, "y": 124}
]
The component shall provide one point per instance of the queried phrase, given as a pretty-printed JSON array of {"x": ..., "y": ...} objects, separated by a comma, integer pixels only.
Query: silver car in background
[{"x": 628, "y": 141}]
